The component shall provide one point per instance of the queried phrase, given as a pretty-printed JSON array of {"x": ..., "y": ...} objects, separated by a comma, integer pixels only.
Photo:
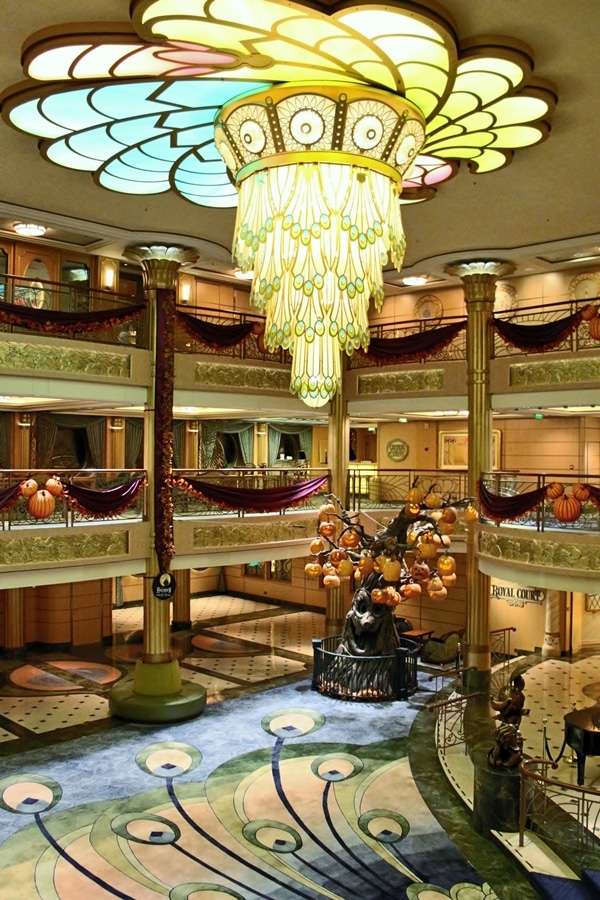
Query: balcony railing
[
  {"x": 373, "y": 488},
  {"x": 74, "y": 297},
  {"x": 510, "y": 484},
  {"x": 565, "y": 816}
]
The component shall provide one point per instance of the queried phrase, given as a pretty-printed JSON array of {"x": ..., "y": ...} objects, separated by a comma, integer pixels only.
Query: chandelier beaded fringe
[{"x": 319, "y": 236}]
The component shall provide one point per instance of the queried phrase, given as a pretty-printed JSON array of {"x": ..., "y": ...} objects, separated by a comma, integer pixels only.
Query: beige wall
[{"x": 511, "y": 610}]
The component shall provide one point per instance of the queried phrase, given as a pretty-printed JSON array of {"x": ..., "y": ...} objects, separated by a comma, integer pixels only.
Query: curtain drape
[
  {"x": 303, "y": 433},
  {"x": 5, "y": 431},
  {"x": 134, "y": 436},
  {"x": 245, "y": 433},
  {"x": 178, "y": 443}
]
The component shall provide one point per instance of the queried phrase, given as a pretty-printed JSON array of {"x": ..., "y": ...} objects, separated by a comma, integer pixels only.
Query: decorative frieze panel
[
  {"x": 65, "y": 360},
  {"x": 244, "y": 533},
  {"x": 540, "y": 552},
  {"x": 253, "y": 377},
  {"x": 557, "y": 371},
  {"x": 411, "y": 382},
  {"x": 29, "y": 551}
]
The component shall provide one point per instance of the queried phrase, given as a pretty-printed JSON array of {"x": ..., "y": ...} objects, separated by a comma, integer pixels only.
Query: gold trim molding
[
  {"x": 66, "y": 360},
  {"x": 540, "y": 552},
  {"x": 401, "y": 382},
  {"x": 255, "y": 377},
  {"x": 559, "y": 371},
  {"x": 234, "y": 535},
  {"x": 28, "y": 551}
]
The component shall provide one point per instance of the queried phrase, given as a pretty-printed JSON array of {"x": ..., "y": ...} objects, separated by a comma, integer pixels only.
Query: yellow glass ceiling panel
[
  {"x": 374, "y": 22},
  {"x": 210, "y": 34},
  {"x": 402, "y": 49},
  {"x": 376, "y": 73},
  {"x": 490, "y": 161},
  {"x": 423, "y": 100},
  {"x": 517, "y": 136},
  {"x": 56, "y": 63},
  {"x": 486, "y": 85},
  {"x": 284, "y": 51},
  {"x": 478, "y": 121},
  {"x": 310, "y": 30},
  {"x": 515, "y": 110},
  {"x": 350, "y": 48},
  {"x": 462, "y": 141},
  {"x": 512, "y": 71},
  {"x": 460, "y": 104}
]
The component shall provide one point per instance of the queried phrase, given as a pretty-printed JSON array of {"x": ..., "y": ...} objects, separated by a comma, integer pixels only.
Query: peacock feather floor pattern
[{"x": 267, "y": 801}]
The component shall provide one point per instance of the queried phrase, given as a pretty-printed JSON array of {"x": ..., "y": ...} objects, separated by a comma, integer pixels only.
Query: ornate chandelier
[
  {"x": 349, "y": 107},
  {"x": 319, "y": 170}
]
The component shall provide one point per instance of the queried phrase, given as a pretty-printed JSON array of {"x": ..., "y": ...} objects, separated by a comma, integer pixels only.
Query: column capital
[
  {"x": 479, "y": 277},
  {"x": 160, "y": 263}
]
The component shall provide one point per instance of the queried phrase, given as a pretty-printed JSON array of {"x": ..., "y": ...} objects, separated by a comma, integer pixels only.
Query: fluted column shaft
[
  {"x": 479, "y": 282},
  {"x": 160, "y": 267},
  {"x": 337, "y": 456},
  {"x": 14, "y": 622}
]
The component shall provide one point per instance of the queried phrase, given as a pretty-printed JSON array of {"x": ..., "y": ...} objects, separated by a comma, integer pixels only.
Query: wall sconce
[
  {"x": 193, "y": 427},
  {"x": 186, "y": 288},
  {"x": 108, "y": 274},
  {"x": 24, "y": 420},
  {"x": 116, "y": 425}
]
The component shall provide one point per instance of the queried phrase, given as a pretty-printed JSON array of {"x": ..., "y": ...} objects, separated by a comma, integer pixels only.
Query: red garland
[{"x": 56, "y": 322}]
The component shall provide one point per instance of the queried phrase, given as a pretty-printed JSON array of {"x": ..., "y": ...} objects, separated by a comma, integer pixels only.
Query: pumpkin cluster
[
  {"x": 567, "y": 507},
  {"x": 590, "y": 314},
  {"x": 41, "y": 502},
  {"x": 410, "y": 553}
]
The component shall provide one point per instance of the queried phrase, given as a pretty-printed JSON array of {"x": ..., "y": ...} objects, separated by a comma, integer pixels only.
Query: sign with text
[
  {"x": 163, "y": 586},
  {"x": 517, "y": 594}
]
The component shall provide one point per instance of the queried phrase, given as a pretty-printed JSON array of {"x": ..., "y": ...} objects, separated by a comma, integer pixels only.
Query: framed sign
[
  {"x": 397, "y": 450},
  {"x": 454, "y": 449}
]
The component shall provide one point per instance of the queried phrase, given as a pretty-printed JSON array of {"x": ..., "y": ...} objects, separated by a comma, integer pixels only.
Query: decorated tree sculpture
[{"x": 406, "y": 556}]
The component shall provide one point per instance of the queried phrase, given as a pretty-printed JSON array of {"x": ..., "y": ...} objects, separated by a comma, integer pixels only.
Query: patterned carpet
[{"x": 283, "y": 794}]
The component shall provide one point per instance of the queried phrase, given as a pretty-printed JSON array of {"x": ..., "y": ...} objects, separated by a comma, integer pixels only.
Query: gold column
[
  {"x": 182, "y": 616},
  {"x": 479, "y": 282},
  {"x": 157, "y": 693},
  {"x": 14, "y": 622},
  {"x": 337, "y": 457}
]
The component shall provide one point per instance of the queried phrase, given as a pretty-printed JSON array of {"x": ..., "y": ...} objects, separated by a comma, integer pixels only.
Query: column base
[
  {"x": 184, "y": 625},
  {"x": 157, "y": 695}
]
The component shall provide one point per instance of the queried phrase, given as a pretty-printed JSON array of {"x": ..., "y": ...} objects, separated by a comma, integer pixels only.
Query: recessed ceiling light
[
  {"x": 414, "y": 280},
  {"x": 29, "y": 229},
  {"x": 244, "y": 276}
]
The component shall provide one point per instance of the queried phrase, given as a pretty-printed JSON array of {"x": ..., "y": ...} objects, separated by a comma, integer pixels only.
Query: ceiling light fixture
[
  {"x": 414, "y": 280},
  {"x": 326, "y": 121},
  {"x": 29, "y": 229}
]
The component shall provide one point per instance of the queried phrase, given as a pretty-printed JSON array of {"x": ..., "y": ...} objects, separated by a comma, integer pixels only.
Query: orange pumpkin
[
  {"x": 449, "y": 580},
  {"x": 449, "y": 515},
  {"x": 378, "y": 595},
  {"x": 325, "y": 511},
  {"x": 313, "y": 569},
  {"x": 594, "y": 328},
  {"x": 350, "y": 538},
  {"x": 54, "y": 486},
  {"x": 581, "y": 492},
  {"x": 446, "y": 565},
  {"x": 412, "y": 510},
  {"x": 41, "y": 504},
  {"x": 329, "y": 569},
  {"x": 411, "y": 590},
  {"x": 345, "y": 568},
  {"x": 439, "y": 595},
  {"x": 434, "y": 584},
  {"x": 337, "y": 555},
  {"x": 470, "y": 515},
  {"x": 416, "y": 494},
  {"x": 317, "y": 546},
  {"x": 328, "y": 529},
  {"x": 391, "y": 570},
  {"x": 426, "y": 550},
  {"x": 29, "y": 487},
  {"x": 554, "y": 490},
  {"x": 366, "y": 565},
  {"x": 419, "y": 571},
  {"x": 589, "y": 312},
  {"x": 331, "y": 581},
  {"x": 566, "y": 508},
  {"x": 433, "y": 500}
]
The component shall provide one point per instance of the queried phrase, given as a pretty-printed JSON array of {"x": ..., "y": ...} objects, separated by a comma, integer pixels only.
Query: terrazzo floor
[{"x": 239, "y": 649}]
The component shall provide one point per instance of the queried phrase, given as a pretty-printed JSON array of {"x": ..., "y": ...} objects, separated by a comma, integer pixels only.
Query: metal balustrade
[
  {"x": 510, "y": 484},
  {"x": 372, "y": 488},
  {"x": 565, "y": 816},
  {"x": 390, "y": 677},
  {"x": 74, "y": 297}
]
